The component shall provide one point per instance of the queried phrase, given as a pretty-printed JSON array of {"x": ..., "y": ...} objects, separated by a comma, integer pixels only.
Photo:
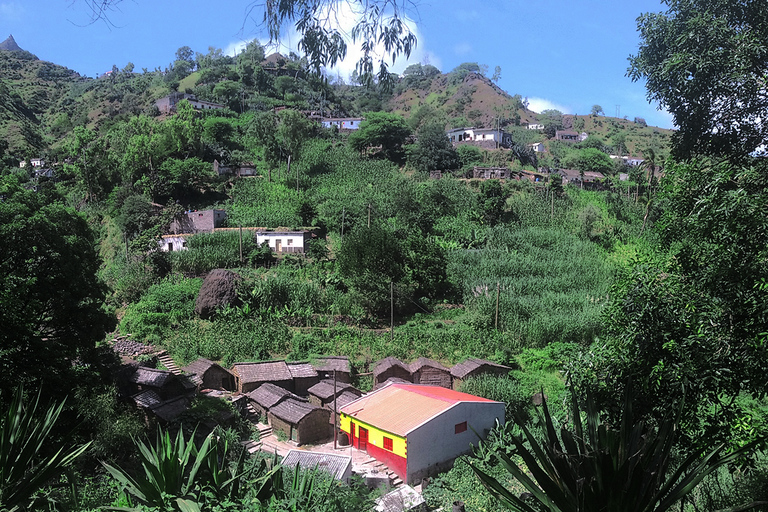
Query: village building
[
  {"x": 300, "y": 421},
  {"x": 338, "y": 466},
  {"x": 491, "y": 173},
  {"x": 304, "y": 377},
  {"x": 266, "y": 396},
  {"x": 475, "y": 367},
  {"x": 163, "y": 382},
  {"x": 475, "y": 135},
  {"x": 322, "y": 393},
  {"x": 390, "y": 367},
  {"x": 327, "y": 366},
  {"x": 538, "y": 147},
  {"x": 285, "y": 241},
  {"x": 430, "y": 372},
  {"x": 167, "y": 104},
  {"x": 342, "y": 123},
  {"x": 567, "y": 136},
  {"x": 252, "y": 375},
  {"x": 209, "y": 375},
  {"x": 37, "y": 163},
  {"x": 156, "y": 410},
  {"x": 170, "y": 243},
  {"x": 535, "y": 126},
  {"x": 198, "y": 221},
  {"x": 416, "y": 430},
  {"x": 242, "y": 170}
]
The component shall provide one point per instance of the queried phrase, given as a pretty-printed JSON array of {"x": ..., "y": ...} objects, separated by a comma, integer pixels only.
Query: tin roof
[
  {"x": 400, "y": 408},
  {"x": 264, "y": 371},
  {"x": 336, "y": 465},
  {"x": 464, "y": 368}
]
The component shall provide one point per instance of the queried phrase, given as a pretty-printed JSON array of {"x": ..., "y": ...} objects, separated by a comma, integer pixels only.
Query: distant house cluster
[
  {"x": 342, "y": 123},
  {"x": 570, "y": 136},
  {"x": 431, "y": 372},
  {"x": 167, "y": 104},
  {"x": 484, "y": 137},
  {"x": 629, "y": 160}
]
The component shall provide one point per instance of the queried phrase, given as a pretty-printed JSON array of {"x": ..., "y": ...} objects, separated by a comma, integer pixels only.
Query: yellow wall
[{"x": 376, "y": 436}]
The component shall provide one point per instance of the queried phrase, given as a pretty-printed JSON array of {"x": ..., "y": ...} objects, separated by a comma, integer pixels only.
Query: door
[
  {"x": 363, "y": 439},
  {"x": 278, "y": 245}
]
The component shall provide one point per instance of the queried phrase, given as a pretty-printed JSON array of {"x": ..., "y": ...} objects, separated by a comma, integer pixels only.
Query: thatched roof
[
  {"x": 147, "y": 399},
  {"x": 292, "y": 410},
  {"x": 301, "y": 370},
  {"x": 330, "y": 363},
  {"x": 267, "y": 395},
  {"x": 392, "y": 380},
  {"x": 324, "y": 389},
  {"x": 346, "y": 397},
  {"x": 171, "y": 409},
  {"x": 464, "y": 368},
  {"x": 150, "y": 377},
  {"x": 199, "y": 367},
  {"x": 422, "y": 362},
  {"x": 265, "y": 371},
  {"x": 388, "y": 362}
]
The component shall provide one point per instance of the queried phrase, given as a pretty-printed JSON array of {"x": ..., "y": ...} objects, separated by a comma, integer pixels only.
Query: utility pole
[
  {"x": 241, "y": 243},
  {"x": 391, "y": 311},
  {"x": 335, "y": 421},
  {"x": 498, "y": 287}
]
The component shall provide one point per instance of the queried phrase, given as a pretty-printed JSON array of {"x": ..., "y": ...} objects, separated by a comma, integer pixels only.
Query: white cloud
[
  {"x": 11, "y": 11},
  {"x": 235, "y": 47},
  {"x": 462, "y": 49},
  {"x": 540, "y": 104}
]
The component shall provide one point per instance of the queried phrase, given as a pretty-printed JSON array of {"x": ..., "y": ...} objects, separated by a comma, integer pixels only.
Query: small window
[
  {"x": 183, "y": 244},
  {"x": 460, "y": 427},
  {"x": 388, "y": 444},
  {"x": 290, "y": 241}
]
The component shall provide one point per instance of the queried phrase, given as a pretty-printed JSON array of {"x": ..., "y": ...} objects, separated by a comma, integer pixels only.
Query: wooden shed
[
  {"x": 304, "y": 377},
  {"x": 300, "y": 421},
  {"x": 474, "y": 367},
  {"x": 209, "y": 375},
  {"x": 327, "y": 364},
  {"x": 266, "y": 396},
  {"x": 390, "y": 367},
  {"x": 252, "y": 375},
  {"x": 322, "y": 393},
  {"x": 430, "y": 372}
]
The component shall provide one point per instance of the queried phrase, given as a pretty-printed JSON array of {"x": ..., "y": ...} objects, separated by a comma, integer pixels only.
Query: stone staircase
[
  {"x": 167, "y": 361},
  {"x": 395, "y": 481}
]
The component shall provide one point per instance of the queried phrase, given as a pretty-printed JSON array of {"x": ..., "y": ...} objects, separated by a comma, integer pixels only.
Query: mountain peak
[{"x": 10, "y": 45}]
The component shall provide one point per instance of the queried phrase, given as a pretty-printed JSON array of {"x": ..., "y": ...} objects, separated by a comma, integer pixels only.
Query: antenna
[{"x": 618, "y": 110}]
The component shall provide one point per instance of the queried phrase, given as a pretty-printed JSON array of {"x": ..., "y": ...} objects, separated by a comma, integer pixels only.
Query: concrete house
[
  {"x": 342, "y": 123},
  {"x": 196, "y": 222},
  {"x": 170, "y": 243},
  {"x": 475, "y": 135},
  {"x": 429, "y": 371},
  {"x": 167, "y": 104},
  {"x": 567, "y": 136},
  {"x": 538, "y": 147},
  {"x": 285, "y": 241},
  {"x": 535, "y": 126},
  {"x": 300, "y": 421},
  {"x": 491, "y": 173},
  {"x": 209, "y": 375},
  {"x": 390, "y": 367},
  {"x": 418, "y": 431},
  {"x": 475, "y": 367},
  {"x": 252, "y": 375}
]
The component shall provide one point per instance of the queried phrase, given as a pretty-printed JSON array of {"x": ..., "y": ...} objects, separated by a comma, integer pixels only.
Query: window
[
  {"x": 388, "y": 444},
  {"x": 460, "y": 427},
  {"x": 290, "y": 241}
]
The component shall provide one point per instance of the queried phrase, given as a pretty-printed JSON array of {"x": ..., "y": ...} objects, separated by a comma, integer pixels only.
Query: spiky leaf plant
[{"x": 594, "y": 467}]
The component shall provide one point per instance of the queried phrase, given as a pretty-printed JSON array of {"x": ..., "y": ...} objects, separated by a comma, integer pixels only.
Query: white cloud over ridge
[
  {"x": 11, "y": 11},
  {"x": 538, "y": 105}
]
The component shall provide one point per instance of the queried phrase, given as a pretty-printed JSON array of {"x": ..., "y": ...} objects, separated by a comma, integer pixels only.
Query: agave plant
[
  {"x": 597, "y": 468},
  {"x": 25, "y": 467},
  {"x": 177, "y": 475}
]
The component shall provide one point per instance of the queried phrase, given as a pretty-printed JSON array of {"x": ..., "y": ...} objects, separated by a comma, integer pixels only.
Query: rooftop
[
  {"x": 336, "y": 465},
  {"x": 400, "y": 408},
  {"x": 292, "y": 410},
  {"x": 464, "y": 368},
  {"x": 301, "y": 370},
  {"x": 150, "y": 377},
  {"x": 268, "y": 395},
  {"x": 264, "y": 371},
  {"x": 330, "y": 363}
]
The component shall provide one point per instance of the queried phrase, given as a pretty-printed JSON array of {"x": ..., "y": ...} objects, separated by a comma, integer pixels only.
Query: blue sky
[{"x": 560, "y": 54}]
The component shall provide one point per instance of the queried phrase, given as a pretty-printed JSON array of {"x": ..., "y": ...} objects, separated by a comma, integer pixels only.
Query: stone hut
[
  {"x": 430, "y": 372},
  {"x": 252, "y": 375},
  {"x": 327, "y": 364},
  {"x": 304, "y": 377},
  {"x": 321, "y": 394},
  {"x": 300, "y": 421},
  {"x": 266, "y": 396},
  {"x": 209, "y": 375},
  {"x": 163, "y": 382},
  {"x": 390, "y": 367},
  {"x": 473, "y": 367}
]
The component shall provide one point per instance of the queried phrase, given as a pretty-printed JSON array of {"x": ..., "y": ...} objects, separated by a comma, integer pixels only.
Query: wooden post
[
  {"x": 241, "y": 243},
  {"x": 498, "y": 287},
  {"x": 335, "y": 421},
  {"x": 552, "y": 213}
]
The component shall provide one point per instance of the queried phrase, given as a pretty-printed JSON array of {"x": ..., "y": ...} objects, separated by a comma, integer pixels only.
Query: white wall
[
  {"x": 436, "y": 442},
  {"x": 288, "y": 240},
  {"x": 172, "y": 243}
]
